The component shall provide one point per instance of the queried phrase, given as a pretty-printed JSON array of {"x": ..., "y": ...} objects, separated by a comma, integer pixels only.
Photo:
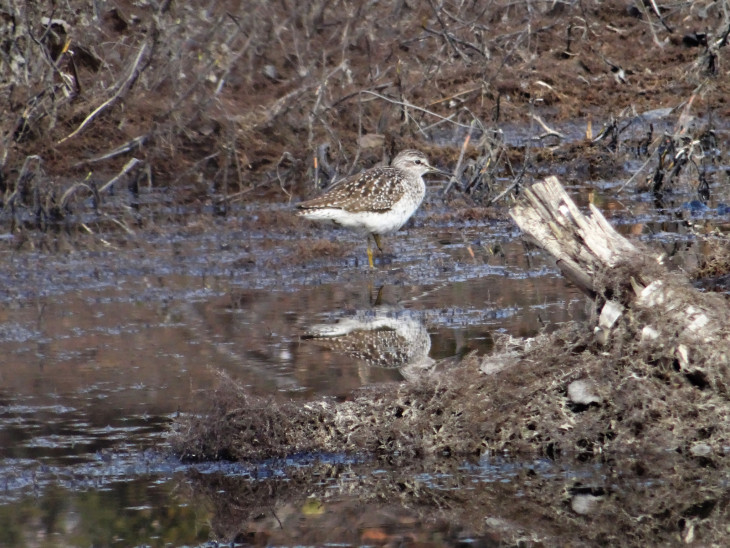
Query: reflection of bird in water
[
  {"x": 377, "y": 201},
  {"x": 380, "y": 339}
]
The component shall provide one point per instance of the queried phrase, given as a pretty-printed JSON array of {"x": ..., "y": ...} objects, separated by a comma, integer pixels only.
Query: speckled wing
[
  {"x": 380, "y": 347},
  {"x": 374, "y": 190}
]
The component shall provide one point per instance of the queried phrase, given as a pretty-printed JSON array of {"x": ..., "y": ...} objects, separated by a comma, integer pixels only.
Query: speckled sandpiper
[{"x": 377, "y": 201}]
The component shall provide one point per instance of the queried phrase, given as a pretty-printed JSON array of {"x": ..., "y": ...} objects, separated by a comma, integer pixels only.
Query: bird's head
[{"x": 415, "y": 162}]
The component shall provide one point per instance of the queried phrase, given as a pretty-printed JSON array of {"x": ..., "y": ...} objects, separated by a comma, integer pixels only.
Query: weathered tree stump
[
  {"x": 671, "y": 316},
  {"x": 581, "y": 245}
]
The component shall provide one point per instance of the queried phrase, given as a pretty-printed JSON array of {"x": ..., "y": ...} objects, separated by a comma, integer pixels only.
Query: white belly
[{"x": 367, "y": 221}]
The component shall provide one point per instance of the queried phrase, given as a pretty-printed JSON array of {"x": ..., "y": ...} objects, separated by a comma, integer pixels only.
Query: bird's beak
[{"x": 440, "y": 171}]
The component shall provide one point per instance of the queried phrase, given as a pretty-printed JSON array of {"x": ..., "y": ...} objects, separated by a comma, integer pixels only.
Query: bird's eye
[{"x": 418, "y": 162}]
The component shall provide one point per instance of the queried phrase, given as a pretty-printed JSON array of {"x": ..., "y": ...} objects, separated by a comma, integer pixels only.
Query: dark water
[{"x": 101, "y": 346}]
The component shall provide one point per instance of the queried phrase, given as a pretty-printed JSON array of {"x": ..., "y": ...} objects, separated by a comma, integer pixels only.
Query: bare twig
[
  {"x": 92, "y": 189},
  {"x": 410, "y": 105},
  {"x": 120, "y": 91},
  {"x": 461, "y": 159},
  {"x": 46, "y": 56},
  {"x": 549, "y": 131},
  {"x": 659, "y": 15},
  {"x": 126, "y": 169},
  {"x": 455, "y": 95},
  {"x": 510, "y": 188},
  {"x": 120, "y": 224},
  {"x": 25, "y": 175},
  {"x": 285, "y": 156},
  {"x": 638, "y": 171},
  {"x": 445, "y": 32},
  {"x": 642, "y": 7},
  {"x": 126, "y": 147},
  {"x": 71, "y": 191}
]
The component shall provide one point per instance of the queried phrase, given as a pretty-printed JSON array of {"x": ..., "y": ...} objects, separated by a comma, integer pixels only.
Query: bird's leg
[
  {"x": 376, "y": 237},
  {"x": 378, "y": 298},
  {"x": 370, "y": 253}
]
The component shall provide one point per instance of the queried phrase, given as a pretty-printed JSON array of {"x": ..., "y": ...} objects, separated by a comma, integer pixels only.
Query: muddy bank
[
  {"x": 232, "y": 103},
  {"x": 624, "y": 403}
]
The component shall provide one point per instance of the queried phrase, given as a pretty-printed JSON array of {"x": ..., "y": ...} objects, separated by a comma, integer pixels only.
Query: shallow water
[{"x": 102, "y": 345}]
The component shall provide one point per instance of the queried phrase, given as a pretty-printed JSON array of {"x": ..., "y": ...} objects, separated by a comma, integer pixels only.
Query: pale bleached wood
[
  {"x": 588, "y": 250},
  {"x": 580, "y": 244}
]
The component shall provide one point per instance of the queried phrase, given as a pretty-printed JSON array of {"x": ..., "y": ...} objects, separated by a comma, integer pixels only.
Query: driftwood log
[
  {"x": 650, "y": 373},
  {"x": 673, "y": 318}
]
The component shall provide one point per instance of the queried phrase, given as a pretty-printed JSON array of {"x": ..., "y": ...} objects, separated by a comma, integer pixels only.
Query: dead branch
[
  {"x": 549, "y": 132},
  {"x": 132, "y": 144},
  {"x": 407, "y": 104},
  {"x": 126, "y": 169},
  {"x": 669, "y": 314},
  {"x": 121, "y": 90},
  {"x": 580, "y": 245}
]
